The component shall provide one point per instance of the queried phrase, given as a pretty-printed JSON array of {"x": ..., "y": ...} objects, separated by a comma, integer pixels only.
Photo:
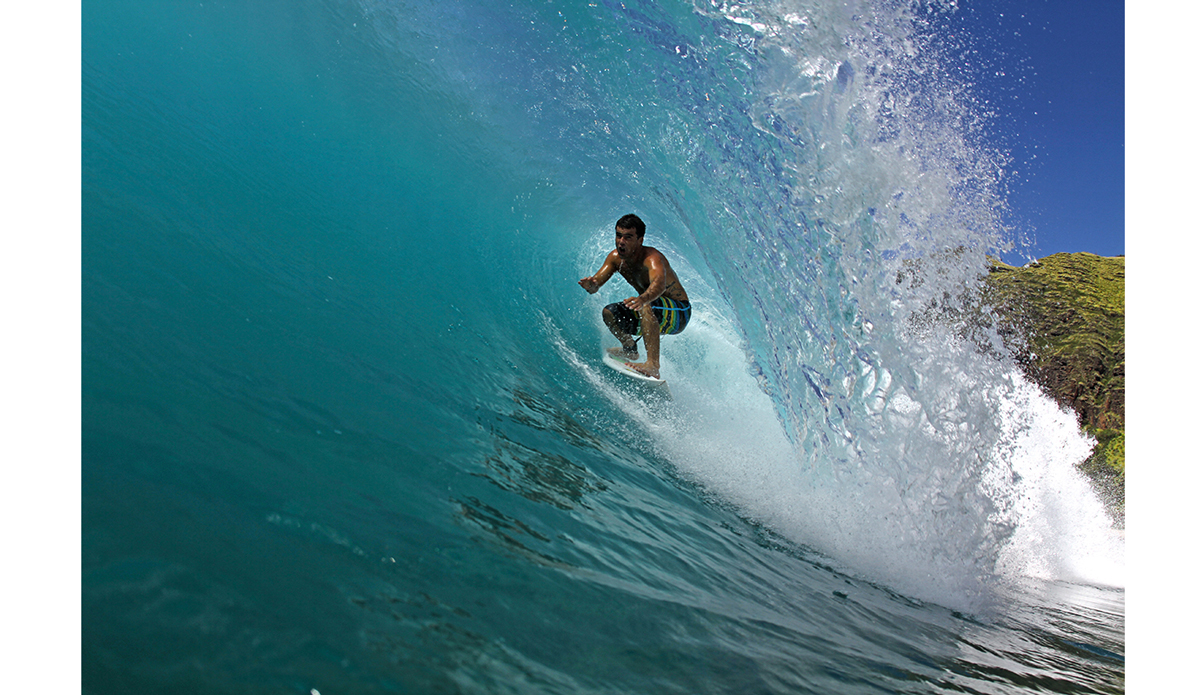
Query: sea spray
[{"x": 1062, "y": 530}]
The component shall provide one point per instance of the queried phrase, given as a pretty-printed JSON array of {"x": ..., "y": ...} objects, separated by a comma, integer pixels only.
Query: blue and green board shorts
[{"x": 672, "y": 316}]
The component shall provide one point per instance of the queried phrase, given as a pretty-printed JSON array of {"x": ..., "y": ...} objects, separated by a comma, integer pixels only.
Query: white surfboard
[{"x": 622, "y": 367}]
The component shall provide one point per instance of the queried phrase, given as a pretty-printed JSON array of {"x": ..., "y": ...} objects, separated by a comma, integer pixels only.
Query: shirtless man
[{"x": 661, "y": 306}]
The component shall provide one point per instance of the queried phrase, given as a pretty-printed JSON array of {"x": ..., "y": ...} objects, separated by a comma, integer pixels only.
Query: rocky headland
[{"x": 1063, "y": 320}]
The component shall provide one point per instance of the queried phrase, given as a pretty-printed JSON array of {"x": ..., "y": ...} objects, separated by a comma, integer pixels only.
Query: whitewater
[{"x": 345, "y": 425}]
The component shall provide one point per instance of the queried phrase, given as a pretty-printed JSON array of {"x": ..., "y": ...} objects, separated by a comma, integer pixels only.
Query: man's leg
[
  {"x": 628, "y": 344},
  {"x": 651, "y": 334}
]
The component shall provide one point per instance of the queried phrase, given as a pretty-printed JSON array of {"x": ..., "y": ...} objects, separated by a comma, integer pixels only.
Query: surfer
[{"x": 661, "y": 306}]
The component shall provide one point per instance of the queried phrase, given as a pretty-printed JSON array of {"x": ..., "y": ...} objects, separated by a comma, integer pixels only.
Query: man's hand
[
  {"x": 590, "y": 284},
  {"x": 635, "y": 303}
]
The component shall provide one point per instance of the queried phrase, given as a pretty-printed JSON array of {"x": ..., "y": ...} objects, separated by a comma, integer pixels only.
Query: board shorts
[{"x": 672, "y": 315}]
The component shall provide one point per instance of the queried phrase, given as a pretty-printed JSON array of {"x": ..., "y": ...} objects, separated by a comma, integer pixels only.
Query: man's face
[{"x": 628, "y": 243}]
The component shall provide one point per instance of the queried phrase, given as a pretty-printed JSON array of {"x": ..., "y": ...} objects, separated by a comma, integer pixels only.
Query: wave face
[{"x": 345, "y": 423}]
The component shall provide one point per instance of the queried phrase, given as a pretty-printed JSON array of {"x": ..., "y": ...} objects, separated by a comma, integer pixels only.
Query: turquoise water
[{"x": 345, "y": 425}]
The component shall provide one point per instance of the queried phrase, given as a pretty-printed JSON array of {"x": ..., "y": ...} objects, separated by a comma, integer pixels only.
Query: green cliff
[{"x": 1064, "y": 319}]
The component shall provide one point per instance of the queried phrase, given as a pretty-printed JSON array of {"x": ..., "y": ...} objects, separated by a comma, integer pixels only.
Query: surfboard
[{"x": 622, "y": 367}]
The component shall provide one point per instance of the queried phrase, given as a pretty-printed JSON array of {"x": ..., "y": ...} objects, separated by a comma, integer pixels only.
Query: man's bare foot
[
  {"x": 621, "y": 353},
  {"x": 643, "y": 368}
]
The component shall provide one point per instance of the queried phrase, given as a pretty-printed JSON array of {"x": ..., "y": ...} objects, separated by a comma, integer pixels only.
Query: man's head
[
  {"x": 630, "y": 231},
  {"x": 633, "y": 222}
]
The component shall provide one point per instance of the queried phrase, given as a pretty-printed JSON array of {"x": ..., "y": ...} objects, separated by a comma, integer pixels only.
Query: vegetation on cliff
[{"x": 1063, "y": 318}]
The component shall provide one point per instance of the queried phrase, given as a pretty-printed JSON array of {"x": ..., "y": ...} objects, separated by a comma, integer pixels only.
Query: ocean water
[{"x": 345, "y": 426}]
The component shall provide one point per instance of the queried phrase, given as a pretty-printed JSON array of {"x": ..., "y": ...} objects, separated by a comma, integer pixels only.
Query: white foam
[
  {"x": 725, "y": 434},
  {"x": 1062, "y": 530}
]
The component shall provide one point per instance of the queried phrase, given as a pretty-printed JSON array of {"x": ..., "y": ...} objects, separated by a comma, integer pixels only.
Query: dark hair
[{"x": 633, "y": 222}]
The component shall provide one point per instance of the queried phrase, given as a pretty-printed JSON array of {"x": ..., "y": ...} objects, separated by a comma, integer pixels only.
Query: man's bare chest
[{"x": 638, "y": 276}]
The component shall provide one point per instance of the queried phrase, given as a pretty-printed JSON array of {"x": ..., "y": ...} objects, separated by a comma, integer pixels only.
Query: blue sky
[{"x": 1053, "y": 71}]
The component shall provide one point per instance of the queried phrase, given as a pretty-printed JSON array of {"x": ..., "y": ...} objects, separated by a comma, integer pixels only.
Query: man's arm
[
  {"x": 595, "y": 282},
  {"x": 656, "y": 265}
]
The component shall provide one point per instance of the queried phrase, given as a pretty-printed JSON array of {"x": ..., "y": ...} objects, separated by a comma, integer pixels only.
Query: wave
[
  {"x": 794, "y": 160},
  {"x": 331, "y": 321}
]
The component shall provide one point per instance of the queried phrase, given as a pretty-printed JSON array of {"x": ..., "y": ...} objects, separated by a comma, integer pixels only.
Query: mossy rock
[
  {"x": 1070, "y": 310},
  {"x": 1063, "y": 317},
  {"x": 1106, "y": 468}
]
